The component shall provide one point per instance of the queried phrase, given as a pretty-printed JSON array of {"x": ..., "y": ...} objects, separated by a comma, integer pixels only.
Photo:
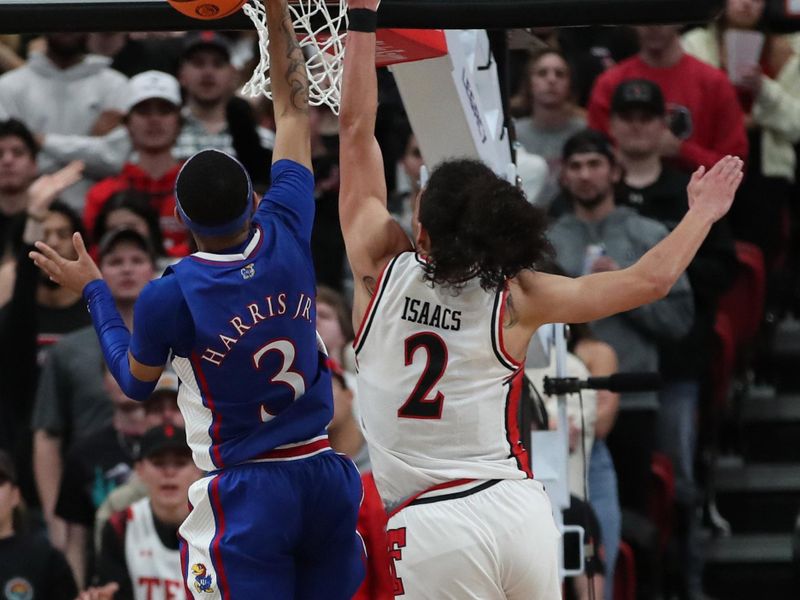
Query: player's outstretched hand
[
  {"x": 71, "y": 274},
  {"x": 712, "y": 192},
  {"x": 105, "y": 592}
]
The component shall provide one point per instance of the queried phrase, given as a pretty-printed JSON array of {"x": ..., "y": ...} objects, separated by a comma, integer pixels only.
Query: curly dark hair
[{"x": 479, "y": 226}]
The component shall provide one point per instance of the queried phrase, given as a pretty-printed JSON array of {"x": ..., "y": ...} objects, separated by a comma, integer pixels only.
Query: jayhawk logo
[
  {"x": 202, "y": 581},
  {"x": 18, "y": 589},
  {"x": 248, "y": 271}
]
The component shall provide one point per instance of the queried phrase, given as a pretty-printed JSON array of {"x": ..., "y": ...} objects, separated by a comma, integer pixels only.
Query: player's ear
[
  {"x": 422, "y": 240},
  {"x": 177, "y": 214}
]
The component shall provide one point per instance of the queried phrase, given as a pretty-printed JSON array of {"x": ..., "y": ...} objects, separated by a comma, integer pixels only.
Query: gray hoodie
[
  {"x": 51, "y": 100},
  {"x": 634, "y": 335}
]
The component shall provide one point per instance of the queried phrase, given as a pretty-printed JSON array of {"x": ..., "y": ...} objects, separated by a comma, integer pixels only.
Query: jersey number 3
[
  {"x": 419, "y": 405},
  {"x": 285, "y": 374}
]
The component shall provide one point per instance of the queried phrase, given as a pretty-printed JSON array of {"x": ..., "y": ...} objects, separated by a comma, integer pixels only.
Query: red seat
[
  {"x": 743, "y": 303},
  {"x": 625, "y": 574},
  {"x": 662, "y": 497},
  {"x": 723, "y": 361}
]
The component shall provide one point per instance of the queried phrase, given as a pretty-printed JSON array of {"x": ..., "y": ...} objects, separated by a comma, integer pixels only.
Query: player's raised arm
[
  {"x": 541, "y": 298},
  {"x": 371, "y": 236},
  {"x": 289, "y": 82}
]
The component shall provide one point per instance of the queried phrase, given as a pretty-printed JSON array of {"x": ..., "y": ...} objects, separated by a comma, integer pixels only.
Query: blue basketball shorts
[{"x": 277, "y": 530}]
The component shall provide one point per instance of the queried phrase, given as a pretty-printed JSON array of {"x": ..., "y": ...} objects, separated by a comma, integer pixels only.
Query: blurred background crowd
[{"x": 609, "y": 124}]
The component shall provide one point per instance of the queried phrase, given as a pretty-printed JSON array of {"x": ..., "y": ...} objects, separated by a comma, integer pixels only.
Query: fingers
[
  {"x": 45, "y": 264},
  {"x": 698, "y": 174},
  {"x": 48, "y": 252},
  {"x": 72, "y": 171},
  {"x": 79, "y": 245}
]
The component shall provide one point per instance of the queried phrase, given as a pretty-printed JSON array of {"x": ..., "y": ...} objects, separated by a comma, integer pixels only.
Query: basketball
[{"x": 207, "y": 9}]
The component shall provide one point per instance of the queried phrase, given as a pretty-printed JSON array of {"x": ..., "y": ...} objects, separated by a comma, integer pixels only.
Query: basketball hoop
[{"x": 321, "y": 29}]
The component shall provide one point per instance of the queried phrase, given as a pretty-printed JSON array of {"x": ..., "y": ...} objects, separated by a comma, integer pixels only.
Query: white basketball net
[{"x": 322, "y": 45}]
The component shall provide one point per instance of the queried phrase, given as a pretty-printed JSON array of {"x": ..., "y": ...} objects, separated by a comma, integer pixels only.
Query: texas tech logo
[{"x": 397, "y": 541}]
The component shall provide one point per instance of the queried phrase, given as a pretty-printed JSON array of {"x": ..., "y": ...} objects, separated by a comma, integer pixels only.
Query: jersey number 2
[
  {"x": 419, "y": 405},
  {"x": 285, "y": 374}
]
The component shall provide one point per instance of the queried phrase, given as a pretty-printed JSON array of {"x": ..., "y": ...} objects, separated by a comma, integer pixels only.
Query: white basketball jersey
[
  {"x": 438, "y": 395},
  {"x": 154, "y": 569}
]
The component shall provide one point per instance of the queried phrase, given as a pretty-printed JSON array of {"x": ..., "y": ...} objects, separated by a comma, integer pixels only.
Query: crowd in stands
[{"x": 94, "y": 129}]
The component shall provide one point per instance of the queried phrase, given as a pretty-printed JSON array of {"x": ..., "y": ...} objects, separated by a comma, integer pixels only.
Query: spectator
[
  {"x": 153, "y": 122},
  {"x": 213, "y": 116},
  {"x": 600, "y": 236},
  {"x": 706, "y": 122},
  {"x": 37, "y": 315},
  {"x": 35, "y": 94},
  {"x": 18, "y": 150},
  {"x": 589, "y": 175},
  {"x": 96, "y": 465},
  {"x": 589, "y": 51},
  {"x": 638, "y": 119},
  {"x": 551, "y": 115},
  {"x": 130, "y": 209},
  {"x": 160, "y": 408},
  {"x": 769, "y": 93},
  {"x": 335, "y": 327},
  {"x": 29, "y": 566},
  {"x": 70, "y": 400},
  {"x": 344, "y": 432},
  {"x": 134, "y": 53},
  {"x": 141, "y": 545},
  {"x": 401, "y": 203}
]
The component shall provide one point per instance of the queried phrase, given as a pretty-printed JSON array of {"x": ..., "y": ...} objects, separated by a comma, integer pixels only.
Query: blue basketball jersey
[{"x": 255, "y": 384}]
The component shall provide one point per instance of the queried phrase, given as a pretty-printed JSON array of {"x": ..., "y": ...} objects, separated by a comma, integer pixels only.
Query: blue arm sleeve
[
  {"x": 114, "y": 339},
  {"x": 291, "y": 196}
]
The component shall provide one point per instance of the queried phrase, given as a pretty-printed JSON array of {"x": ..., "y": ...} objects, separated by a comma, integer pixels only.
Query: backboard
[{"x": 41, "y": 16}]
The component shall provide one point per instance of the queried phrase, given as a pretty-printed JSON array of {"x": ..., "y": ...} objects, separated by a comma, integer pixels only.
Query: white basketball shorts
[{"x": 491, "y": 540}]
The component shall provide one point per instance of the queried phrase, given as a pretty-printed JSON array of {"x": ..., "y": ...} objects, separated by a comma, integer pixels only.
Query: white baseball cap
[{"x": 152, "y": 84}]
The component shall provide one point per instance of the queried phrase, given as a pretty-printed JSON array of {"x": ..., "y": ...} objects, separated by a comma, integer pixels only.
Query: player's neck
[
  {"x": 641, "y": 171},
  {"x": 218, "y": 244}
]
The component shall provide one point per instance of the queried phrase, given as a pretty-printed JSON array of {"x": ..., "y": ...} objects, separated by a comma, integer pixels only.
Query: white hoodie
[{"x": 62, "y": 101}]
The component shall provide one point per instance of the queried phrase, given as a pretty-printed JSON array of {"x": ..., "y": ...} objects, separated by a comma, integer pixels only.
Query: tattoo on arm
[
  {"x": 511, "y": 314},
  {"x": 295, "y": 76},
  {"x": 369, "y": 284}
]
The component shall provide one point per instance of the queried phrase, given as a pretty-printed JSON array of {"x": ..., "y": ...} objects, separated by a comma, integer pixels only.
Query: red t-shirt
[
  {"x": 717, "y": 119},
  {"x": 162, "y": 194}
]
